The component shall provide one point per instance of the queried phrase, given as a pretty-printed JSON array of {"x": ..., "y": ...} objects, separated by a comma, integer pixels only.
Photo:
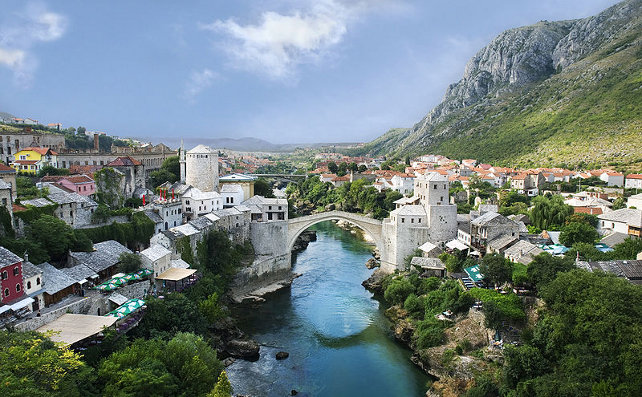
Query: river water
[{"x": 339, "y": 340}]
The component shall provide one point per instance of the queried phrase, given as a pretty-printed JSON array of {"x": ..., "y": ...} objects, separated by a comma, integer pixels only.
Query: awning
[
  {"x": 473, "y": 273},
  {"x": 126, "y": 308},
  {"x": 175, "y": 274},
  {"x": 71, "y": 328},
  {"x": 22, "y": 303},
  {"x": 456, "y": 244}
]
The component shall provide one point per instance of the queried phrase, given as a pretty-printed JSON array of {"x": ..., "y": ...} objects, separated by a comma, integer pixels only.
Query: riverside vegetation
[{"x": 579, "y": 335}]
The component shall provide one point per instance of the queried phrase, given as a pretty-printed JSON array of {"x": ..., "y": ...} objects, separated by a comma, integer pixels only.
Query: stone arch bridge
[{"x": 296, "y": 226}]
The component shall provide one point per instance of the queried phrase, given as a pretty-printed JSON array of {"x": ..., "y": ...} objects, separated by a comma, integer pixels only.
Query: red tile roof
[
  {"x": 41, "y": 150},
  {"x": 17, "y": 208},
  {"x": 6, "y": 168},
  {"x": 634, "y": 176}
]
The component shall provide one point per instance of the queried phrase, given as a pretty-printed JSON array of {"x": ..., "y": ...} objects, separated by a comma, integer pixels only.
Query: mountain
[
  {"x": 566, "y": 92},
  {"x": 242, "y": 144}
]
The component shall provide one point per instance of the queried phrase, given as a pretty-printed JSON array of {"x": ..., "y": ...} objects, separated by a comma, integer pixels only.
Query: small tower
[
  {"x": 181, "y": 154},
  {"x": 201, "y": 168}
]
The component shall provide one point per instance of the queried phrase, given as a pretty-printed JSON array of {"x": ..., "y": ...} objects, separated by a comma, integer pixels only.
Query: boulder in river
[
  {"x": 245, "y": 349},
  {"x": 282, "y": 355}
]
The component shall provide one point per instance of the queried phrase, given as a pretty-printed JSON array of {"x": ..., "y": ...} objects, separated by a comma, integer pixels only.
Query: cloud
[
  {"x": 21, "y": 31},
  {"x": 278, "y": 43},
  {"x": 199, "y": 81}
]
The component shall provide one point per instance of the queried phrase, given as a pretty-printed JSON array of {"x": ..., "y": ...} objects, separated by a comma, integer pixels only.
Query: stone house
[
  {"x": 267, "y": 209},
  {"x": 232, "y": 195},
  {"x": 156, "y": 258},
  {"x": 8, "y": 175},
  {"x": 490, "y": 226},
  {"x": 57, "y": 285},
  {"x": 103, "y": 260},
  {"x": 197, "y": 203},
  {"x": 522, "y": 252},
  {"x": 165, "y": 214},
  {"x": 243, "y": 181},
  {"x": 626, "y": 220},
  {"x": 81, "y": 184}
]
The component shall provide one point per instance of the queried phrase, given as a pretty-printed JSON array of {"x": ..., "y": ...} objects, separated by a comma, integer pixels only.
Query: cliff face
[{"x": 518, "y": 61}]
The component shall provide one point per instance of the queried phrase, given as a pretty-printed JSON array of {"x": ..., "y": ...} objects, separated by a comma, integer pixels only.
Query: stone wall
[
  {"x": 81, "y": 307},
  {"x": 269, "y": 238},
  {"x": 264, "y": 271}
]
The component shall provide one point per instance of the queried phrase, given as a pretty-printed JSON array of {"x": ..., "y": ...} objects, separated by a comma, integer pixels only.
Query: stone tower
[
  {"x": 432, "y": 190},
  {"x": 201, "y": 168}
]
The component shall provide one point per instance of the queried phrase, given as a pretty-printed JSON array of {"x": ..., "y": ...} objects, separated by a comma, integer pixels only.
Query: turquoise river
[{"x": 339, "y": 340}]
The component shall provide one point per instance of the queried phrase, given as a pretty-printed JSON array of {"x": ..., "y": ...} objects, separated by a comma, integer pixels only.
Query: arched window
[
  {"x": 18, "y": 287},
  {"x": 28, "y": 284}
]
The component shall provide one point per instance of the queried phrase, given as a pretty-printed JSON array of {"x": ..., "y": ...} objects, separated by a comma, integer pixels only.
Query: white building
[
  {"x": 196, "y": 202},
  {"x": 267, "y": 209},
  {"x": 635, "y": 201},
  {"x": 613, "y": 178},
  {"x": 33, "y": 284},
  {"x": 626, "y": 220},
  {"x": 156, "y": 258},
  {"x": 232, "y": 195},
  {"x": 403, "y": 183},
  {"x": 633, "y": 181},
  {"x": 165, "y": 214}
]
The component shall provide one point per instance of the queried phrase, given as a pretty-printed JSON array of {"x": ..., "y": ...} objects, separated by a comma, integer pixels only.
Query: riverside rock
[{"x": 282, "y": 355}]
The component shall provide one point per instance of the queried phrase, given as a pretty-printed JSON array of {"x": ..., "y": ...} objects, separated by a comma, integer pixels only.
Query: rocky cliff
[{"x": 550, "y": 60}]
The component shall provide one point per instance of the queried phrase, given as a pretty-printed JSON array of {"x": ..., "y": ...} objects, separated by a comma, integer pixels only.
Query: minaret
[{"x": 181, "y": 154}]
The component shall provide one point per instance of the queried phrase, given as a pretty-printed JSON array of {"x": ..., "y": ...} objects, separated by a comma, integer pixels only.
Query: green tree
[
  {"x": 263, "y": 188},
  {"x": 32, "y": 365},
  {"x": 57, "y": 237},
  {"x": 544, "y": 268},
  {"x": 158, "y": 177},
  {"x": 51, "y": 170},
  {"x": 549, "y": 213},
  {"x": 332, "y": 167},
  {"x": 362, "y": 168},
  {"x": 496, "y": 269},
  {"x": 353, "y": 167},
  {"x": 211, "y": 308},
  {"x": 129, "y": 262},
  {"x": 619, "y": 203},
  {"x": 165, "y": 317},
  {"x": 223, "y": 388},
  {"x": 576, "y": 232},
  {"x": 398, "y": 290}
]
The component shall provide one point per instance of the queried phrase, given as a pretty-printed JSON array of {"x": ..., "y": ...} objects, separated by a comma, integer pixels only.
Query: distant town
[{"x": 92, "y": 233}]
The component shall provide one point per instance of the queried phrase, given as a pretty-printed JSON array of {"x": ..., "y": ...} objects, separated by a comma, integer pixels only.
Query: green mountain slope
[{"x": 549, "y": 94}]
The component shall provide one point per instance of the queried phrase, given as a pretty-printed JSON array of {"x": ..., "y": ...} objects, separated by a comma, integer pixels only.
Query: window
[
  {"x": 419, "y": 221},
  {"x": 23, "y": 157},
  {"x": 16, "y": 271},
  {"x": 403, "y": 220},
  {"x": 435, "y": 186},
  {"x": 18, "y": 288},
  {"x": 6, "y": 292},
  {"x": 412, "y": 220},
  {"x": 269, "y": 207},
  {"x": 28, "y": 284},
  {"x": 38, "y": 281},
  {"x": 187, "y": 202}
]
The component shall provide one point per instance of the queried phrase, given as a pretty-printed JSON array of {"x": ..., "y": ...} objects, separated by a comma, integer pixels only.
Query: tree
[
  {"x": 263, "y": 188},
  {"x": 353, "y": 167},
  {"x": 576, "y": 232},
  {"x": 362, "y": 168},
  {"x": 496, "y": 269},
  {"x": 332, "y": 167},
  {"x": 544, "y": 268},
  {"x": 223, "y": 387},
  {"x": 32, "y": 365},
  {"x": 549, "y": 213},
  {"x": 81, "y": 130},
  {"x": 129, "y": 263},
  {"x": 57, "y": 237},
  {"x": 619, "y": 203},
  {"x": 211, "y": 308},
  {"x": 51, "y": 170},
  {"x": 173, "y": 165},
  {"x": 342, "y": 169}
]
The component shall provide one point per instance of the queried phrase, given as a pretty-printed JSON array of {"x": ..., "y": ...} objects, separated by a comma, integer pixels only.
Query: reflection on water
[{"x": 337, "y": 336}]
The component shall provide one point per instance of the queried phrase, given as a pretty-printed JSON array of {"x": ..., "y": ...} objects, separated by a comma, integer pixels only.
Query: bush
[
  {"x": 429, "y": 333},
  {"x": 398, "y": 290},
  {"x": 500, "y": 307},
  {"x": 415, "y": 306}
]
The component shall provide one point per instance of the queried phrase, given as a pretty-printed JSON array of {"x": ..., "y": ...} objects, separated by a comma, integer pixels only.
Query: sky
[{"x": 287, "y": 71}]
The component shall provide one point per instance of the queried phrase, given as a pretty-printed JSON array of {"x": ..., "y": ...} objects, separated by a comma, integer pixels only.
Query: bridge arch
[{"x": 296, "y": 226}]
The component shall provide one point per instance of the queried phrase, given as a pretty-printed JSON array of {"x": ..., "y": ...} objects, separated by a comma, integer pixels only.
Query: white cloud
[
  {"x": 278, "y": 43},
  {"x": 21, "y": 31},
  {"x": 199, "y": 81}
]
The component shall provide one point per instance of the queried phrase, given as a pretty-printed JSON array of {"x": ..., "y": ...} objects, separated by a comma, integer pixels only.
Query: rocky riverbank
[
  {"x": 454, "y": 364},
  {"x": 232, "y": 343}
]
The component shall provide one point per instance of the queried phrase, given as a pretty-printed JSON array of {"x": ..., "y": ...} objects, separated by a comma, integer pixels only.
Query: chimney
[{"x": 96, "y": 142}]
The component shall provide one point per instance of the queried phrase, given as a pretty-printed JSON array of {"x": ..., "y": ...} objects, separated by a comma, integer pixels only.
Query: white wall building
[
  {"x": 633, "y": 181},
  {"x": 196, "y": 202},
  {"x": 156, "y": 258},
  {"x": 200, "y": 166}
]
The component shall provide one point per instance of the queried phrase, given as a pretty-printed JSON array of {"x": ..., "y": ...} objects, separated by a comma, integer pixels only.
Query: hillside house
[
  {"x": 626, "y": 220},
  {"x": 81, "y": 184},
  {"x": 31, "y": 159},
  {"x": 633, "y": 181}
]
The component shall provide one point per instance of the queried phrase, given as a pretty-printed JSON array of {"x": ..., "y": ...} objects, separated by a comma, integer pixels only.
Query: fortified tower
[
  {"x": 434, "y": 219},
  {"x": 201, "y": 168}
]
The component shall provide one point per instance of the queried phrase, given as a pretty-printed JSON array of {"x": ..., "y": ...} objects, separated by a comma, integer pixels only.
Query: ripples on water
[{"x": 337, "y": 336}]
